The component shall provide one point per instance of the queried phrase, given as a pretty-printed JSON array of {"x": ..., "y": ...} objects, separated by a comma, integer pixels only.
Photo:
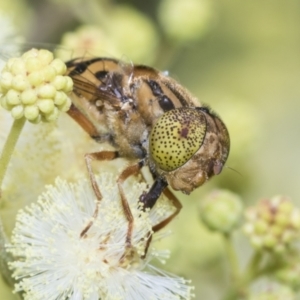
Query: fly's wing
[
  {"x": 99, "y": 80},
  {"x": 101, "y": 85}
]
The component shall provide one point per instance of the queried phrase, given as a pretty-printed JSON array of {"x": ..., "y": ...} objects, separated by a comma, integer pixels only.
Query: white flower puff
[{"x": 54, "y": 262}]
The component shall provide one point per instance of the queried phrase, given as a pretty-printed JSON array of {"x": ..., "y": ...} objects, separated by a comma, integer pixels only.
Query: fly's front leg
[
  {"x": 89, "y": 157},
  {"x": 176, "y": 204},
  {"x": 149, "y": 200},
  {"x": 131, "y": 170}
]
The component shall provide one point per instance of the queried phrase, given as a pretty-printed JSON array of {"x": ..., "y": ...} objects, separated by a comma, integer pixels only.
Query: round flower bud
[
  {"x": 48, "y": 73},
  {"x": 86, "y": 39},
  {"x": 17, "y": 111},
  {"x": 33, "y": 86},
  {"x": 59, "y": 66},
  {"x": 59, "y": 82},
  {"x": 274, "y": 223},
  {"x": 133, "y": 33},
  {"x": 31, "y": 112},
  {"x": 6, "y": 80},
  {"x": 185, "y": 20},
  {"x": 29, "y": 96},
  {"x": 18, "y": 67},
  {"x": 46, "y": 105},
  {"x": 221, "y": 211},
  {"x": 13, "y": 98},
  {"x": 289, "y": 275},
  {"x": 33, "y": 64}
]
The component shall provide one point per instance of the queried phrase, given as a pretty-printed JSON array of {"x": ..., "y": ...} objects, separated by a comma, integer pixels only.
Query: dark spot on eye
[
  {"x": 184, "y": 132},
  {"x": 165, "y": 103},
  {"x": 101, "y": 75}
]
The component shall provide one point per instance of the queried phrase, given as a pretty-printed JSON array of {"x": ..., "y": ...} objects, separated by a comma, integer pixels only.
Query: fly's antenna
[{"x": 234, "y": 170}]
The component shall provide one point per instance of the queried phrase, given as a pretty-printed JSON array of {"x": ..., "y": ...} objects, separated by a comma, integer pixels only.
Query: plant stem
[
  {"x": 252, "y": 269},
  {"x": 232, "y": 257},
  {"x": 241, "y": 283},
  {"x": 5, "y": 257},
  {"x": 9, "y": 148}
]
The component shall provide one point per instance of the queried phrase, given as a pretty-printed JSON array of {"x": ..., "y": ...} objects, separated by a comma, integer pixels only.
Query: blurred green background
[{"x": 239, "y": 57}]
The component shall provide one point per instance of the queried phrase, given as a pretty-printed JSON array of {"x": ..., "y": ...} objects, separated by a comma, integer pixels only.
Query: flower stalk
[
  {"x": 5, "y": 257},
  {"x": 232, "y": 257},
  {"x": 9, "y": 147}
]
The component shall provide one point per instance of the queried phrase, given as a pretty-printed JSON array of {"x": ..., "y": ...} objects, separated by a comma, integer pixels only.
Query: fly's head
[{"x": 188, "y": 145}]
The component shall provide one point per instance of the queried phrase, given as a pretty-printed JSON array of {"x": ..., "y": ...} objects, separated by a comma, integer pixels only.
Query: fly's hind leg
[{"x": 89, "y": 157}]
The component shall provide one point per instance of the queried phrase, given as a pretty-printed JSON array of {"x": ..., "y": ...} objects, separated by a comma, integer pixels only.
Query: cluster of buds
[
  {"x": 273, "y": 224},
  {"x": 34, "y": 86}
]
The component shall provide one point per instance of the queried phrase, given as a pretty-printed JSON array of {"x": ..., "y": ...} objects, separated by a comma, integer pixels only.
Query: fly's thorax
[
  {"x": 187, "y": 146},
  {"x": 156, "y": 93}
]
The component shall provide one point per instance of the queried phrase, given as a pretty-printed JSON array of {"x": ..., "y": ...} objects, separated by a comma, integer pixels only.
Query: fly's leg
[
  {"x": 89, "y": 157},
  {"x": 176, "y": 204},
  {"x": 129, "y": 171},
  {"x": 149, "y": 200}
]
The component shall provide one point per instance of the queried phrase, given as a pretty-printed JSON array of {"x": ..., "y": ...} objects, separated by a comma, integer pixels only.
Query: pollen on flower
[
  {"x": 53, "y": 261},
  {"x": 33, "y": 86}
]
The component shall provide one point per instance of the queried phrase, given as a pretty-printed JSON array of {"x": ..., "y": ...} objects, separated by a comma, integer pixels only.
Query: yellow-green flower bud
[
  {"x": 290, "y": 275},
  {"x": 133, "y": 33},
  {"x": 53, "y": 115},
  {"x": 29, "y": 96},
  {"x": 271, "y": 222},
  {"x": 35, "y": 78},
  {"x": 86, "y": 39},
  {"x": 59, "y": 82},
  {"x": 48, "y": 73},
  {"x": 20, "y": 83},
  {"x": 59, "y": 66},
  {"x": 33, "y": 86},
  {"x": 47, "y": 91},
  {"x": 17, "y": 111},
  {"x": 6, "y": 80},
  {"x": 13, "y": 98},
  {"x": 221, "y": 211},
  {"x": 60, "y": 98},
  {"x": 31, "y": 112},
  {"x": 18, "y": 67},
  {"x": 185, "y": 20},
  {"x": 46, "y": 105},
  {"x": 261, "y": 226},
  {"x": 33, "y": 64}
]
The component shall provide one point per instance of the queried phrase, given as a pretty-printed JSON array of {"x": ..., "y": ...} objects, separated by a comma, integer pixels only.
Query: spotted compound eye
[{"x": 176, "y": 137}]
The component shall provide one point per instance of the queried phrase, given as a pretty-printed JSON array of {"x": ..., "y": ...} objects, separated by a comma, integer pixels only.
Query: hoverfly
[{"x": 151, "y": 120}]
